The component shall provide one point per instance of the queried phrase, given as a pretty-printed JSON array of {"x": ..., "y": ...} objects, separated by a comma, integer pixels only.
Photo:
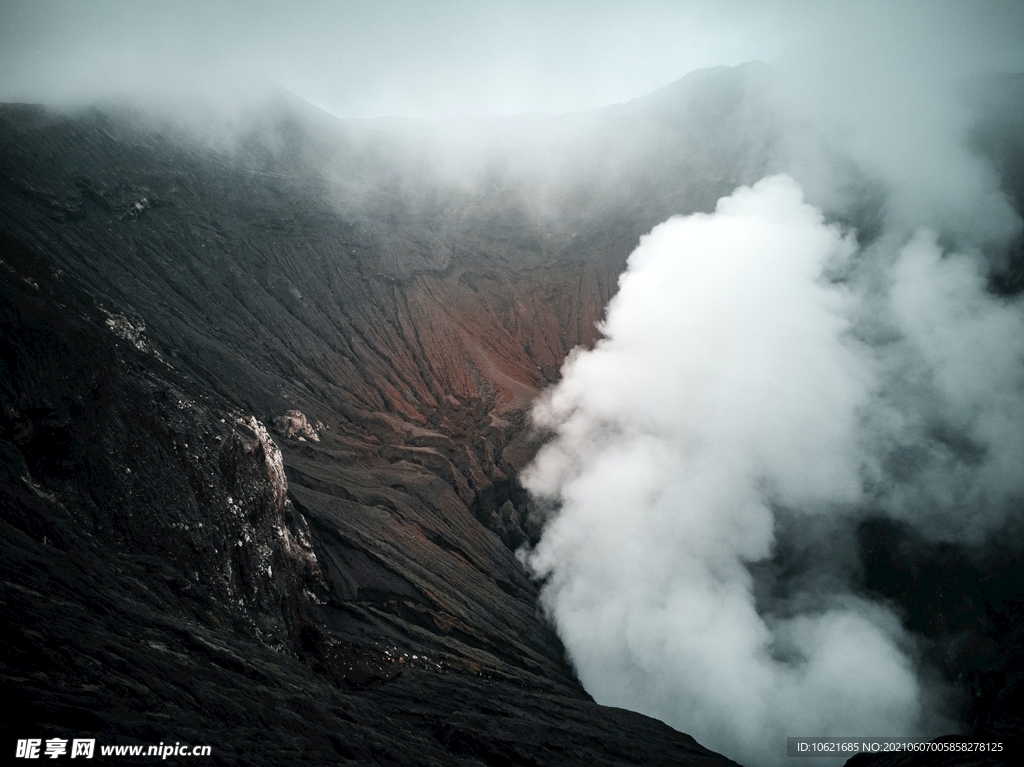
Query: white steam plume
[{"x": 736, "y": 386}]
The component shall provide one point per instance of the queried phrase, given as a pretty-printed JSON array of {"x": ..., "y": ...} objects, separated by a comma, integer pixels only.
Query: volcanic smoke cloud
[{"x": 760, "y": 372}]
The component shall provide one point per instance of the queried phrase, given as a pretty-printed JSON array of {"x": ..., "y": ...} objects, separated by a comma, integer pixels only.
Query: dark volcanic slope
[{"x": 342, "y": 586}]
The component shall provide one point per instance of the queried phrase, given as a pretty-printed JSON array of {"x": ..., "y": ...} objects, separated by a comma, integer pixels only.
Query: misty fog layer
[
  {"x": 736, "y": 386},
  {"x": 820, "y": 352}
]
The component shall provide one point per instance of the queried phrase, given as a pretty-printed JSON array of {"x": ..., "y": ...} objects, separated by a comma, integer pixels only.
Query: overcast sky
[{"x": 444, "y": 57}]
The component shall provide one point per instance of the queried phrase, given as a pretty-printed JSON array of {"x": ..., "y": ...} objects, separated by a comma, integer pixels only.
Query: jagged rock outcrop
[{"x": 293, "y": 424}]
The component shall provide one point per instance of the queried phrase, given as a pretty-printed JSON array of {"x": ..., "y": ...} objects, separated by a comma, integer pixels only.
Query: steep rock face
[
  {"x": 105, "y": 433},
  {"x": 182, "y": 559}
]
